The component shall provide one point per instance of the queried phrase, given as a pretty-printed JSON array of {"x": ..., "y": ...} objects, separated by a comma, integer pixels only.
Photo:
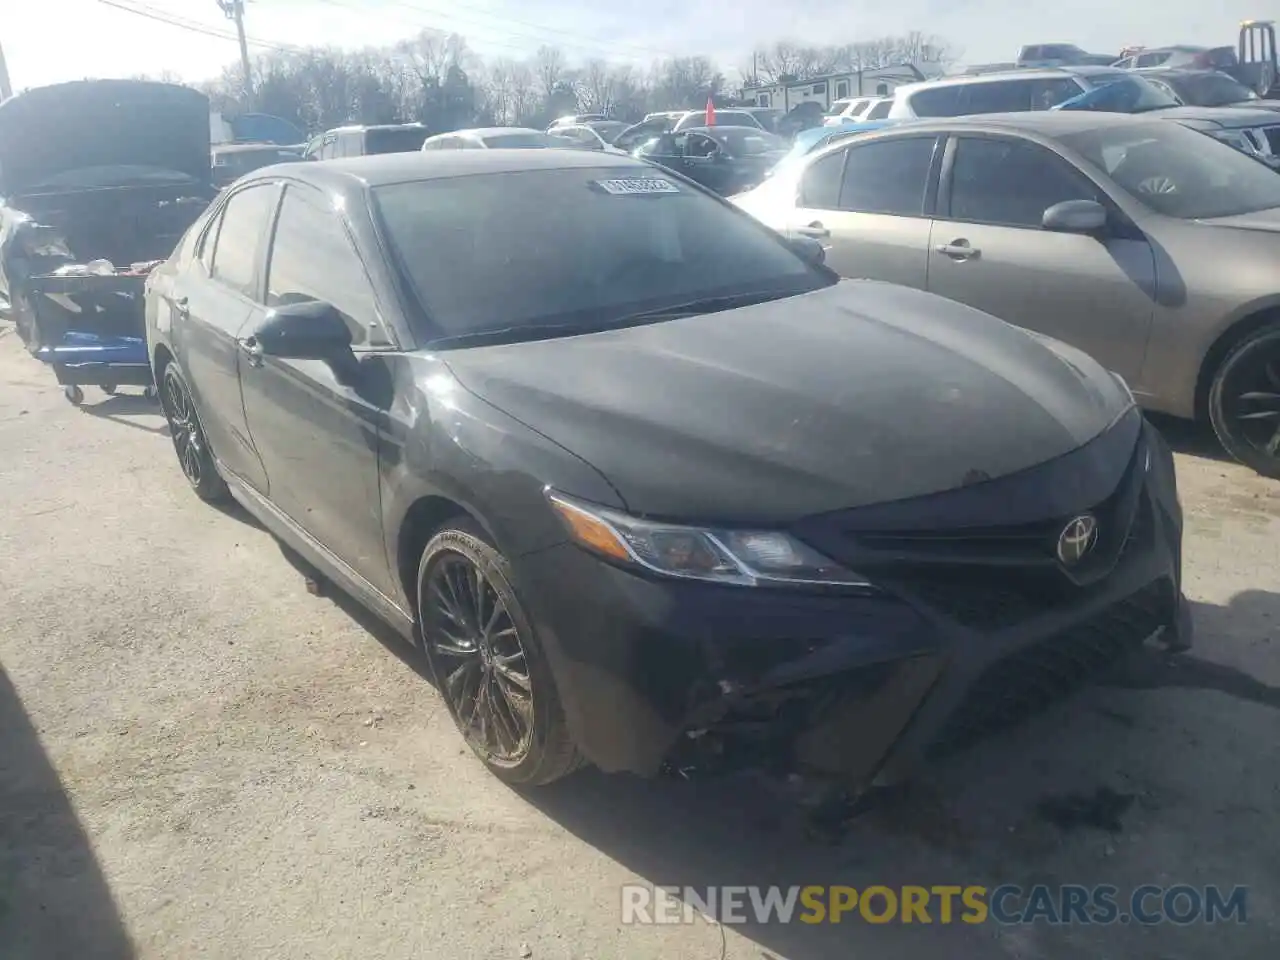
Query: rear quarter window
[{"x": 937, "y": 102}]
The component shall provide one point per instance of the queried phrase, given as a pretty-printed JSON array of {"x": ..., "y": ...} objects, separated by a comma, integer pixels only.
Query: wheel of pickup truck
[
  {"x": 487, "y": 660},
  {"x": 1244, "y": 401},
  {"x": 74, "y": 394},
  {"x": 109, "y": 389},
  {"x": 189, "y": 442}
]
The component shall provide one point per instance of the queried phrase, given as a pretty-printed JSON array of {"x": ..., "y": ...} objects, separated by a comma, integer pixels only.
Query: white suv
[{"x": 1013, "y": 91}]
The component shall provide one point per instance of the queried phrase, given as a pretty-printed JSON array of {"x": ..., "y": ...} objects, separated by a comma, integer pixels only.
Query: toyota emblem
[{"x": 1077, "y": 539}]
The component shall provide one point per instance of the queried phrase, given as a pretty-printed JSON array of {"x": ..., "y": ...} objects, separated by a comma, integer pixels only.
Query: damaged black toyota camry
[
  {"x": 96, "y": 176},
  {"x": 650, "y": 484}
]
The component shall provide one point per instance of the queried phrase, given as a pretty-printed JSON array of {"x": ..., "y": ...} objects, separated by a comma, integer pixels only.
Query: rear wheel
[
  {"x": 487, "y": 660},
  {"x": 194, "y": 455},
  {"x": 1244, "y": 401}
]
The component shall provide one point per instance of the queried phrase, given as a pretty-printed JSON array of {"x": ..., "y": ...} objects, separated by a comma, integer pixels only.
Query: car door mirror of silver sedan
[
  {"x": 1075, "y": 216},
  {"x": 305, "y": 330}
]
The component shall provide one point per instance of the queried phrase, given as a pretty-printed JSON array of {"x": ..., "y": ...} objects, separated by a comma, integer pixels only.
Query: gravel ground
[{"x": 200, "y": 759}]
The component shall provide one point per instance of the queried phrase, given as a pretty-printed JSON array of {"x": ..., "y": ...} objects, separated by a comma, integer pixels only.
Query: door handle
[
  {"x": 182, "y": 307},
  {"x": 252, "y": 349},
  {"x": 959, "y": 249},
  {"x": 815, "y": 230}
]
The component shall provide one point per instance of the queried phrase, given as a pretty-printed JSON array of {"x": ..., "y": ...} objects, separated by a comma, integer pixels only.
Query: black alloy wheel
[
  {"x": 1244, "y": 401},
  {"x": 487, "y": 661},
  {"x": 194, "y": 455}
]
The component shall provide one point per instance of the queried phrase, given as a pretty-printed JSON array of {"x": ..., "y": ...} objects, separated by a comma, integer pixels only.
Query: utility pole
[
  {"x": 6, "y": 88},
  {"x": 234, "y": 10}
]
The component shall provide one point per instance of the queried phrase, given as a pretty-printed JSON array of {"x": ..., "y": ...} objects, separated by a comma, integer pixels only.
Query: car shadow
[
  {"x": 1192, "y": 437},
  {"x": 126, "y": 408},
  {"x": 54, "y": 899}
]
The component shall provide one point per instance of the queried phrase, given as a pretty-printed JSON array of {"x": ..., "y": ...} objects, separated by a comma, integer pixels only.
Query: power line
[{"x": 194, "y": 26}]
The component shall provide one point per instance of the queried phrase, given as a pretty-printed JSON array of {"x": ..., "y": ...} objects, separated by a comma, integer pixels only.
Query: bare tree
[{"x": 550, "y": 69}]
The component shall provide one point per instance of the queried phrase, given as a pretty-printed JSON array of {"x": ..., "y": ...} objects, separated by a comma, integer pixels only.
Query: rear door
[
  {"x": 867, "y": 204},
  {"x": 319, "y": 437},
  {"x": 988, "y": 250},
  {"x": 213, "y": 300}
]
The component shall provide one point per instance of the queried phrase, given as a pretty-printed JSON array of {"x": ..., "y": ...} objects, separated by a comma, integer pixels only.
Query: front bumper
[{"x": 654, "y": 671}]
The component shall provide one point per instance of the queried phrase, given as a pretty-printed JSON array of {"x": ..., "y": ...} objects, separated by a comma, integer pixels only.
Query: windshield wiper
[
  {"x": 514, "y": 334},
  {"x": 546, "y": 331},
  {"x": 705, "y": 305}
]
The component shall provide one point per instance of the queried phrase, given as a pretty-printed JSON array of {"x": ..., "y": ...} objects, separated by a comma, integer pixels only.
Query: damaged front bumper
[{"x": 655, "y": 673}]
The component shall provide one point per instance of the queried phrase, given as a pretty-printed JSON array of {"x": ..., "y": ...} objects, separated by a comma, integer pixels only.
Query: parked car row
[{"x": 658, "y": 480}]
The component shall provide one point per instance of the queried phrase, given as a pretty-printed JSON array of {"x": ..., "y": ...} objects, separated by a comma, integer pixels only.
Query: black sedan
[
  {"x": 725, "y": 159},
  {"x": 658, "y": 482}
]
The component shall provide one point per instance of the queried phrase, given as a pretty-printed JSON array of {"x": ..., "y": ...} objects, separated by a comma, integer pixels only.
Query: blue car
[{"x": 807, "y": 141}]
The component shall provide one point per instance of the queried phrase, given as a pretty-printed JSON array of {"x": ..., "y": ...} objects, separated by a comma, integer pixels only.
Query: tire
[
  {"x": 195, "y": 456},
  {"x": 1244, "y": 401},
  {"x": 546, "y": 751}
]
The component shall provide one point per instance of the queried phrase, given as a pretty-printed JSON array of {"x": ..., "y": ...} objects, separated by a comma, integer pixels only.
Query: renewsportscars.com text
[{"x": 1145, "y": 905}]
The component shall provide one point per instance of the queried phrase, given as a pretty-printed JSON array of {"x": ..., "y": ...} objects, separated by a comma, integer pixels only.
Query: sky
[{"x": 47, "y": 41}]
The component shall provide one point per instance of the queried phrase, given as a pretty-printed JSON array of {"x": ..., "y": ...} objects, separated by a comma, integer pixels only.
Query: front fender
[{"x": 441, "y": 441}]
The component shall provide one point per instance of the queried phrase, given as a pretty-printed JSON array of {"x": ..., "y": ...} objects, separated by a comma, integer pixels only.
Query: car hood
[
  {"x": 1263, "y": 221},
  {"x": 859, "y": 393},
  {"x": 52, "y": 130}
]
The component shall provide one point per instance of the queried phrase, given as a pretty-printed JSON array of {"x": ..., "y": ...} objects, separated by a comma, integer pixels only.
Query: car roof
[
  {"x": 489, "y": 131},
  {"x": 1049, "y": 123},
  {"x": 350, "y": 175},
  {"x": 1025, "y": 73},
  {"x": 251, "y": 147},
  {"x": 362, "y": 127},
  {"x": 1176, "y": 72}
]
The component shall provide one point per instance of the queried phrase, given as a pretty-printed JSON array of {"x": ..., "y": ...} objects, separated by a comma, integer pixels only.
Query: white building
[{"x": 831, "y": 87}]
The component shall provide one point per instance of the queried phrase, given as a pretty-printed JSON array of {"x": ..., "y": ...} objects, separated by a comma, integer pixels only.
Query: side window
[
  {"x": 205, "y": 249},
  {"x": 1051, "y": 92},
  {"x": 1011, "y": 182},
  {"x": 937, "y": 102},
  {"x": 1153, "y": 59},
  {"x": 820, "y": 187},
  {"x": 236, "y": 255},
  {"x": 699, "y": 146},
  {"x": 312, "y": 259},
  {"x": 997, "y": 96},
  {"x": 880, "y": 110},
  {"x": 888, "y": 177},
  {"x": 842, "y": 89},
  {"x": 329, "y": 149}
]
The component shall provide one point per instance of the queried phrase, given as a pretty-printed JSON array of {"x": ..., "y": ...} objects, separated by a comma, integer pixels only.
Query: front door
[
  {"x": 318, "y": 435},
  {"x": 988, "y": 250},
  {"x": 213, "y": 300},
  {"x": 866, "y": 204}
]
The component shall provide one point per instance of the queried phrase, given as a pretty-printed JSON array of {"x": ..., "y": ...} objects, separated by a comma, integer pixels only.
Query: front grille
[{"x": 1027, "y": 680}]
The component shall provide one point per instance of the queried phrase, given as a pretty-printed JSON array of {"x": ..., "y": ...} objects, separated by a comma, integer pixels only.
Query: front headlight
[{"x": 751, "y": 558}]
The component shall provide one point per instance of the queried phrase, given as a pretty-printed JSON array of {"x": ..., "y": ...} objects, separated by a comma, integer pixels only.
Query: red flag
[{"x": 711, "y": 112}]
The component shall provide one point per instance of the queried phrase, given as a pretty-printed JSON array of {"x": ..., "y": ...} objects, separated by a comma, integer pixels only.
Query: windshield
[
  {"x": 402, "y": 140},
  {"x": 608, "y": 129},
  {"x": 605, "y": 249},
  {"x": 1120, "y": 92},
  {"x": 1177, "y": 171},
  {"x": 749, "y": 143},
  {"x": 1209, "y": 89},
  {"x": 522, "y": 140}
]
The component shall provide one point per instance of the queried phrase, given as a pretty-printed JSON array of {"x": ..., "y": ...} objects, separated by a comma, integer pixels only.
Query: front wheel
[
  {"x": 1244, "y": 401},
  {"x": 194, "y": 455},
  {"x": 487, "y": 660}
]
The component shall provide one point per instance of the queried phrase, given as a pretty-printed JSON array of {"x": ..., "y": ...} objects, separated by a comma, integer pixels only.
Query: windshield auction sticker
[{"x": 639, "y": 185}]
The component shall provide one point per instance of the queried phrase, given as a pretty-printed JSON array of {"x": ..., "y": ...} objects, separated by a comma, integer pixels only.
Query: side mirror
[
  {"x": 1075, "y": 216},
  {"x": 809, "y": 248},
  {"x": 306, "y": 330}
]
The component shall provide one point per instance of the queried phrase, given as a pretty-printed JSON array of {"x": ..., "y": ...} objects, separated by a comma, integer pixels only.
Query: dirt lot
[{"x": 199, "y": 759}]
